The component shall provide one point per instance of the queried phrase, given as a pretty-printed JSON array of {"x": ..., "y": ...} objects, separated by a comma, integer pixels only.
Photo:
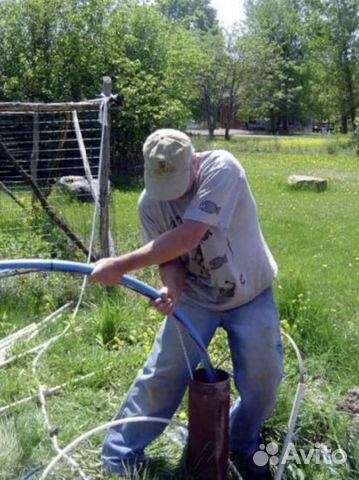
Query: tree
[
  {"x": 273, "y": 62},
  {"x": 194, "y": 14},
  {"x": 52, "y": 49},
  {"x": 333, "y": 49},
  {"x": 232, "y": 66},
  {"x": 154, "y": 69},
  {"x": 210, "y": 77},
  {"x": 56, "y": 50}
]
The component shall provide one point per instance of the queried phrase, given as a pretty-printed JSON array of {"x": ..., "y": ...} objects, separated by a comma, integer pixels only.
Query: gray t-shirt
[{"x": 232, "y": 264}]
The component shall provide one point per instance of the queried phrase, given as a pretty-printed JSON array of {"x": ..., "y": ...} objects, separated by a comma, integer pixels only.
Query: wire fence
[{"x": 60, "y": 153}]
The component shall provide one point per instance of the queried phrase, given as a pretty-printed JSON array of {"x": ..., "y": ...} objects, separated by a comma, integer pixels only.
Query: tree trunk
[
  {"x": 208, "y": 114},
  {"x": 226, "y": 133},
  {"x": 285, "y": 123},
  {"x": 272, "y": 123},
  {"x": 351, "y": 96},
  {"x": 229, "y": 118},
  {"x": 210, "y": 133}
]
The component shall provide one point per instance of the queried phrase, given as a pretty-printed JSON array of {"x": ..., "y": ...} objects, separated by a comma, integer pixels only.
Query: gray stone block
[{"x": 307, "y": 182}]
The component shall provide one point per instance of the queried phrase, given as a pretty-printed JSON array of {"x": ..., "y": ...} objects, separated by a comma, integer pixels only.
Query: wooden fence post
[
  {"x": 104, "y": 174},
  {"x": 35, "y": 151}
]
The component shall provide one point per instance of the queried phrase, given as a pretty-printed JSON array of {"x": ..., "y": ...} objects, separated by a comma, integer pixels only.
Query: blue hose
[
  {"x": 127, "y": 281},
  {"x": 32, "y": 472}
]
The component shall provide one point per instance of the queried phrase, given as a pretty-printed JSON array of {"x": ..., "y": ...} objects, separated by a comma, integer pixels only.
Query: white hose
[
  {"x": 52, "y": 340},
  {"x": 114, "y": 423},
  {"x": 98, "y": 429},
  {"x": 292, "y": 421},
  {"x": 295, "y": 409}
]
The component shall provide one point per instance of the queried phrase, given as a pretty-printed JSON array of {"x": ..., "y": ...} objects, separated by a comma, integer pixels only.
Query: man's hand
[
  {"x": 166, "y": 303},
  {"x": 108, "y": 271}
]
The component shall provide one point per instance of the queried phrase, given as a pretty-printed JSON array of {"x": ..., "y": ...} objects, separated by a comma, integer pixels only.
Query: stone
[
  {"x": 78, "y": 187},
  {"x": 308, "y": 182}
]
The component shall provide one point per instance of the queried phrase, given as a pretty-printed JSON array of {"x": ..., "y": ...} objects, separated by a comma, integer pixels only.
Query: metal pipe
[{"x": 208, "y": 426}]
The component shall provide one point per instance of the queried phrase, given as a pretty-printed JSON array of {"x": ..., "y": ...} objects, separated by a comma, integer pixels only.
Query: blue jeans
[{"x": 255, "y": 343}]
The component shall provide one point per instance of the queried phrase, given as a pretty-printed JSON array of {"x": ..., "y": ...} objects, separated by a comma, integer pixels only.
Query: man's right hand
[
  {"x": 166, "y": 302},
  {"x": 173, "y": 278}
]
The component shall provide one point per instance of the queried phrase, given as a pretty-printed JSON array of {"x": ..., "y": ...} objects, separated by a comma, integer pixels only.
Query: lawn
[{"x": 314, "y": 237}]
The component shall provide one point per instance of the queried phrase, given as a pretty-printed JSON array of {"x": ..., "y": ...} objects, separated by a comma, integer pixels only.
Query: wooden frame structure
[{"x": 10, "y": 108}]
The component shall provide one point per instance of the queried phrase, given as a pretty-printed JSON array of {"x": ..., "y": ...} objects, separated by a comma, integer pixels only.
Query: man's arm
[
  {"x": 168, "y": 246},
  {"x": 173, "y": 276}
]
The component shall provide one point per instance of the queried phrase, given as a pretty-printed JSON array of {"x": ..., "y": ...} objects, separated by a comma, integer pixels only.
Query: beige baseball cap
[{"x": 168, "y": 159}]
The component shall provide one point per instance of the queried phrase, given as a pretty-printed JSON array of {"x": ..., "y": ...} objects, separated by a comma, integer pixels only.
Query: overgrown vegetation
[{"x": 314, "y": 237}]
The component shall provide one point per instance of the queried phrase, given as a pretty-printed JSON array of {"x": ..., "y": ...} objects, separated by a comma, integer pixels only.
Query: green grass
[{"x": 314, "y": 237}]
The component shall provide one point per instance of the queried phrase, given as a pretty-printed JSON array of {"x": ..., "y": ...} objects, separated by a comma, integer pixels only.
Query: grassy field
[{"x": 314, "y": 237}]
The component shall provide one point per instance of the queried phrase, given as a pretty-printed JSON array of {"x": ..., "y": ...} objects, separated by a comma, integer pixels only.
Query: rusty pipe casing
[{"x": 208, "y": 426}]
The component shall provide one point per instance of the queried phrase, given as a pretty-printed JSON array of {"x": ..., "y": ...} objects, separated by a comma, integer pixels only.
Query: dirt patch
[{"x": 350, "y": 402}]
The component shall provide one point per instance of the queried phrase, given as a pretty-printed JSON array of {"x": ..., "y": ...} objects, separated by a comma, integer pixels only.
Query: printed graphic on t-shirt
[
  {"x": 209, "y": 207},
  {"x": 217, "y": 262},
  {"x": 227, "y": 291},
  {"x": 176, "y": 221},
  {"x": 206, "y": 236},
  {"x": 202, "y": 282},
  {"x": 200, "y": 267},
  {"x": 229, "y": 246}
]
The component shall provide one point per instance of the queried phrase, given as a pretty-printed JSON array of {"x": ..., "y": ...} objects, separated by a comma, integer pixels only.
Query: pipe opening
[{"x": 201, "y": 376}]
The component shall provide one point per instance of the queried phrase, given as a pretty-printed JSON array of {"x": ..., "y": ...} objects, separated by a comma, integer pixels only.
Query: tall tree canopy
[
  {"x": 274, "y": 61},
  {"x": 301, "y": 61},
  {"x": 291, "y": 62},
  {"x": 332, "y": 53},
  {"x": 196, "y": 14}
]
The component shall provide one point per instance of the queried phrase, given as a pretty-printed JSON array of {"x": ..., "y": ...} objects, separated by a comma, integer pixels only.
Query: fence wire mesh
[{"x": 45, "y": 146}]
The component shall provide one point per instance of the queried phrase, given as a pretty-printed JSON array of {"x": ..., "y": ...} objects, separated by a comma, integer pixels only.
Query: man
[{"x": 201, "y": 227}]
